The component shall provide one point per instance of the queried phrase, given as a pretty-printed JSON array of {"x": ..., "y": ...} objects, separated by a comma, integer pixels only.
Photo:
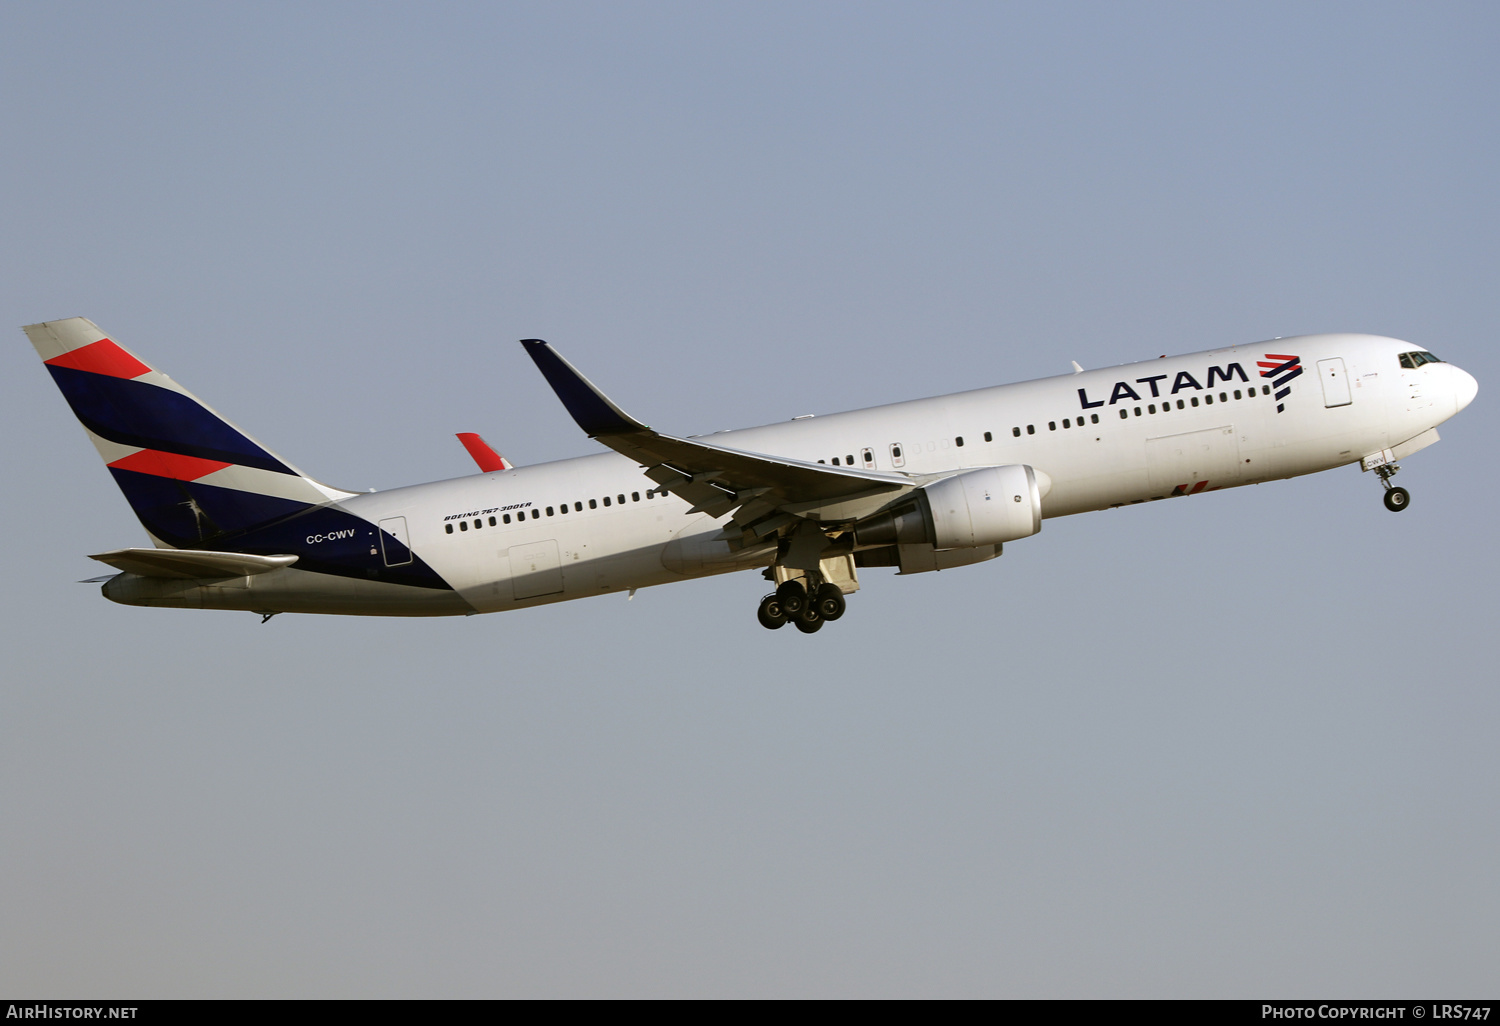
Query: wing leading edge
[{"x": 766, "y": 493}]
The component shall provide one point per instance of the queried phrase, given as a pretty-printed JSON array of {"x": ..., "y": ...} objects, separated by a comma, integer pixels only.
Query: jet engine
[{"x": 980, "y": 507}]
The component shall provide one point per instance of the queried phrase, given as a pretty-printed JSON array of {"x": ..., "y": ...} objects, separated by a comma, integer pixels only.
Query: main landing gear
[
  {"x": 1396, "y": 498},
  {"x": 791, "y": 603}
]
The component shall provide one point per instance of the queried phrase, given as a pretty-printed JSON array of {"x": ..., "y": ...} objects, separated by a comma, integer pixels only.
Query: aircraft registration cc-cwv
[{"x": 929, "y": 484}]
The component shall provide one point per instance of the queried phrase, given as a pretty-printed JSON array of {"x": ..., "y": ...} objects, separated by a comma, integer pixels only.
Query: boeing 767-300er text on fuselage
[{"x": 923, "y": 485}]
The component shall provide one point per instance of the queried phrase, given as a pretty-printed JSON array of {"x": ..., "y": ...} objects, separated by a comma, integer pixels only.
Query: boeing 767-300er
[{"x": 923, "y": 485}]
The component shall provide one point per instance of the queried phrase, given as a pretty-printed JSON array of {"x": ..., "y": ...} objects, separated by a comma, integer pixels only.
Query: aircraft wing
[
  {"x": 765, "y": 491},
  {"x": 480, "y": 451}
]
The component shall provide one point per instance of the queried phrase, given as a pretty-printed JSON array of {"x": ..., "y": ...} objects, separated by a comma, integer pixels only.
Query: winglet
[
  {"x": 488, "y": 459},
  {"x": 590, "y": 407}
]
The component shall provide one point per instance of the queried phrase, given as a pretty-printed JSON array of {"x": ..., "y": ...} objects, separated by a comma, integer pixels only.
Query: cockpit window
[{"x": 1411, "y": 361}]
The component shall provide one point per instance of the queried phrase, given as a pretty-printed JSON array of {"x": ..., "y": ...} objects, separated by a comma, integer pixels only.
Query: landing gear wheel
[
  {"x": 793, "y": 598},
  {"x": 829, "y": 602},
  {"x": 770, "y": 613},
  {"x": 1397, "y": 499},
  {"x": 808, "y": 621}
]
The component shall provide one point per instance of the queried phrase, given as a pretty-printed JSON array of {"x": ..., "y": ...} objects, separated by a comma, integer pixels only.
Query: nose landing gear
[{"x": 1396, "y": 498}]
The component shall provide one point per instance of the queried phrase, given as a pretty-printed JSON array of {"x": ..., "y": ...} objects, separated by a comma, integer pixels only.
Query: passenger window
[
  {"x": 988, "y": 437},
  {"x": 959, "y": 441},
  {"x": 1051, "y": 425},
  {"x": 620, "y": 499},
  {"x": 536, "y": 514},
  {"x": 1151, "y": 408},
  {"x": 1179, "y": 404},
  {"x": 1124, "y": 414},
  {"x": 463, "y": 525},
  {"x": 635, "y": 496},
  {"x": 505, "y": 519},
  {"x": 1067, "y": 423},
  {"x": 1031, "y": 429},
  {"x": 448, "y": 528},
  {"x": 492, "y": 521},
  {"x": 824, "y": 462},
  {"x": 1137, "y": 411},
  {"x": 563, "y": 508},
  {"x": 549, "y": 511},
  {"x": 1223, "y": 398},
  {"x": 1016, "y": 432},
  {"x": 1094, "y": 417},
  {"x": 593, "y": 504},
  {"x": 1194, "y": 401},
  {"x": 1209, "y": 399},
  {"x": 606, "y": 500},
  {"x": 1237, "y": 393},
  {"x": 478, "y": 524},
  {"x": 1265, "y": 389},
  {"x": 577, "y": 507}
]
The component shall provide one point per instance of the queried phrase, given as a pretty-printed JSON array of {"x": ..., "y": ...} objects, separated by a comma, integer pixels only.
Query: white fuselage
[{"x": 1099, "y": 438}]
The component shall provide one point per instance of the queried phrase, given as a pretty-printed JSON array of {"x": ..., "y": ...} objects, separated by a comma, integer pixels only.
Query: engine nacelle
[
  {"x": 977, "y": 508},
  {"x": 984, "y": 507}
]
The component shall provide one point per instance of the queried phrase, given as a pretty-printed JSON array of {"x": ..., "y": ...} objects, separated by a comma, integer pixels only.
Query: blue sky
[{"x": 1237, "y": 746}]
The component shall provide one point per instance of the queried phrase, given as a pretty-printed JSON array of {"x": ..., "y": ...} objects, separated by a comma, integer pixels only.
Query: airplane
[{"x": 924, "y": 485}]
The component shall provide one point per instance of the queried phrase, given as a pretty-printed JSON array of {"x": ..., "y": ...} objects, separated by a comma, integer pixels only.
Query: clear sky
[{"x": 1238, "y": 745}]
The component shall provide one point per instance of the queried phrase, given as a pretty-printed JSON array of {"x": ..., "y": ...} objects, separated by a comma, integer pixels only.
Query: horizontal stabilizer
[{"x": 190, "y": 563}]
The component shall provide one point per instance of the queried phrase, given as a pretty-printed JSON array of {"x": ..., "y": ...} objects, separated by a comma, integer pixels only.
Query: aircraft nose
[{"x": 1466, "y": 388}]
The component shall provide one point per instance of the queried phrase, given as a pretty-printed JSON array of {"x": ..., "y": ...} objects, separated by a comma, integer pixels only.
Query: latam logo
[
  {"x": 1182, "y": 380},
  {"x": 1193, "y": 489},
  {"x": 1282, "y": 369}
]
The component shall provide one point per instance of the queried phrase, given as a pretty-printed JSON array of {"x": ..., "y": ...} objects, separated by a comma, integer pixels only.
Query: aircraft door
[
  {"x": 1335, "y": 382},
  {"x": 1191, "y": 462},
  {"x": 535, "y": 569},
  {"x": 395, "y": 546}
]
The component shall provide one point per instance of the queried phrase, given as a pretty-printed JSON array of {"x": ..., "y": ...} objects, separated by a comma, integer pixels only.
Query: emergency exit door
[
  {"x": 1335, "y": 382},
  {"x": 394, "y": 544}
]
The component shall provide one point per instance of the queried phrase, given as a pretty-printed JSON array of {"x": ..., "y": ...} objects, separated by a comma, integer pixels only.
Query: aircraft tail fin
[{"x": 190, "y": 475}]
